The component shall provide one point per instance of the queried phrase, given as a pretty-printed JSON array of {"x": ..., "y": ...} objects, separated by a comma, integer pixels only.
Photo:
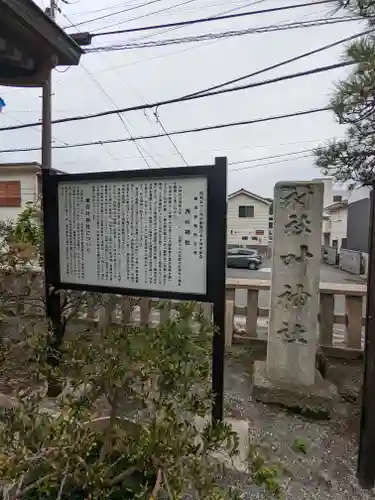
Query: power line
[
  {"x": 179, "y": 132},
  {"x": 180, "y": 51},
  {"x": 157, "y": 117},
  {"x": 180, "y": 27},
  {"x": 170, "y": 139},
  {"x": 140, "y": 148},
  {"x": 33, "y": 128},
  {"x": 227, "y": 11},
  {"x": 100, "y": 10},
  {"x": 268, "y": 163},
  {"x": 122, "y": 119},
  {"x": 273, "y": 156},
  {"x": 223, "y": 34},
  {"x": 282, "y": 63},
  {"x": 148, "y": 14},
  {"x": 262, "y": 11},
  {"x": 221, "y": 150},
  {"x": 190, "y": 22},
  {"x": 176, "y": 100},
  {"x": 113, "y": 13}
]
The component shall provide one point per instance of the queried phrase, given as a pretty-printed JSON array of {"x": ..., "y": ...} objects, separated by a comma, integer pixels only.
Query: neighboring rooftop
[
  {"x": 337, "y": 206},
  {"x": 32, "y": 167},
  {"x": 267, "y": 201}
]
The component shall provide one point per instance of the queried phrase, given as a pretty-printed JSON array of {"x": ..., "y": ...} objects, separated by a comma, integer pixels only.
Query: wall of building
[
  {"x": 359, "y": 194},
  {"x": 358, "y": 224},
  {"x": 243, "y": 231},
  {"x": 339, "y": 220},
  {"x": 28, "y": 192}
]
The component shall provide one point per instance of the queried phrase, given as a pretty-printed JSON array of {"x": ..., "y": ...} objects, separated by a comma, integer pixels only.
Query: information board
[
  {"x": 138, "y": 234},
  {"x": 148, "y": 233}
]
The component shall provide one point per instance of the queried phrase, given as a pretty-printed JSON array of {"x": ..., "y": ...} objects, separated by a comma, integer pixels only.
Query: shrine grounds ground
[{"x": 328, "y": 274}]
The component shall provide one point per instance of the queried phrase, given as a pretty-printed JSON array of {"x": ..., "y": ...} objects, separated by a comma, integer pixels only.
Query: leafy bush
[
  {"x": 21, "y": 241},
  {"x": 124, "y": 425}
]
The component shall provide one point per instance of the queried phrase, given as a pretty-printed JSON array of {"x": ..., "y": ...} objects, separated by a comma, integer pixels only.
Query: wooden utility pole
[
  {"x": 53, "y": 299},
  {"x": 47, "y": 110},
  {"x": 366, "y": 453}
]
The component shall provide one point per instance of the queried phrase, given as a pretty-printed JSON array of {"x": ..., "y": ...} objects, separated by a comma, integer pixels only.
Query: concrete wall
[
  {"x": 331, "y": 256},
  {"x": 350, "y": 261},
  {"x": 28, "y": 192},
  {"x": 328, "y": 186},
  {"x": 242, "y": 230},
  {"x": 358, "y": 225},
  {"x": 359, "y": 194}
]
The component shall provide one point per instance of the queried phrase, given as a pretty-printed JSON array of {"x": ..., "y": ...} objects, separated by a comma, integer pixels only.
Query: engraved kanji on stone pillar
[{"x": 293, "y": 324}]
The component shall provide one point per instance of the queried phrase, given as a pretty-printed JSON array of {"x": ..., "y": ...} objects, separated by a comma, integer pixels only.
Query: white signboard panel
[{"x": 137, "y": 234}]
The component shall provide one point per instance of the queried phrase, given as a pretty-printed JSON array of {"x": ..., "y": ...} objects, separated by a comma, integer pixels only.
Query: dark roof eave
[
  {"x": 337, "y": 206},
  {"x": 68, "y": 52}
]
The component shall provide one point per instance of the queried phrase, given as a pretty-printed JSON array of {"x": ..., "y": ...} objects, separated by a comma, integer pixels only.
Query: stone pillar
[{"x": 293, "y": 323}]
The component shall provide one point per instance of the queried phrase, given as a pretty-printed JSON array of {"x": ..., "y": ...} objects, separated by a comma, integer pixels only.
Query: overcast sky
[{"x": 131, "y": 77}]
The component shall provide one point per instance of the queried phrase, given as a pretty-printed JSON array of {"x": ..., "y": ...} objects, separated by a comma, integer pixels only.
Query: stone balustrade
[
  {"x": 340, "y": 332},
  {"x": 347, "y": 326}
]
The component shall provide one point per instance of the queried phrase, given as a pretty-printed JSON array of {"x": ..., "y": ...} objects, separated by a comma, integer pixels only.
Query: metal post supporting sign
[{"x": 150, "y": 233}]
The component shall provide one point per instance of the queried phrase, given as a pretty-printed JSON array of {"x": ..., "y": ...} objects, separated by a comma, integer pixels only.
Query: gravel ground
[{"x": 327, "y": 469}]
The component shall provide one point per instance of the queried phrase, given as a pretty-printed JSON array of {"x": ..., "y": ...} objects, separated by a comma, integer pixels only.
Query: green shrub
[{"x": 149, "y": 384}]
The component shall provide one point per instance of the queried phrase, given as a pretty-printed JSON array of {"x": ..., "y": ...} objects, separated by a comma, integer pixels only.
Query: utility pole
[
  {"x": 47, "y": 108},
  {"x": 53, "y": 298}
]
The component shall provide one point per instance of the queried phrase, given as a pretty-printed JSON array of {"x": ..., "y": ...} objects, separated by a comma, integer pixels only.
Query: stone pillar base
[{"x": 316, "y": 401}]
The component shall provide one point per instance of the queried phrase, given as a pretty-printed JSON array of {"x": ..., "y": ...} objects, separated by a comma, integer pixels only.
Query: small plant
[
  {"x": 269, "y": 477},
  {"x": 264, "y": 474},
  {"x": 300, "y": 445}
]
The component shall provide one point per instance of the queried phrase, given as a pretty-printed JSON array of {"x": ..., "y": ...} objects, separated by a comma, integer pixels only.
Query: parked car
[
  {"x": 246, "y": 251},
  {"x": 244, "y": 258}
]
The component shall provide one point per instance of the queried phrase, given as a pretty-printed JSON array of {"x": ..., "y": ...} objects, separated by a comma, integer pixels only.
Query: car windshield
[{"x": 243, "y": 251}]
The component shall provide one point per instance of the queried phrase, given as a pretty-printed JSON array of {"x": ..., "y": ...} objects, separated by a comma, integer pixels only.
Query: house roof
[
  {"x": 337, "y": 206},
  {"x": 254, "y": 196},
  {"x": 32, "y": 166}
]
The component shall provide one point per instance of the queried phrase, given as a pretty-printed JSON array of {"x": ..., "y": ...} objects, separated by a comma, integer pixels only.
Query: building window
[
  {"x": 259, "y": 232},
  {"x": 244, "y": 238},
  {"x": 10, "y": 193},
  {"x": 270, "y": 225},
  {"x": 254, "y": 238},
  {"x": 246, "y": 211},
  {"x": 337, "y": 198}
]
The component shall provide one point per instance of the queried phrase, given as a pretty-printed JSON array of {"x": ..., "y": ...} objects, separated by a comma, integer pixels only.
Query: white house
[
  {"x": 248, "y": 220},
  {"x": 335, "y": 214},
  {"x": 338, "y": 218},
  {"x": 20, "y": 183}
]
